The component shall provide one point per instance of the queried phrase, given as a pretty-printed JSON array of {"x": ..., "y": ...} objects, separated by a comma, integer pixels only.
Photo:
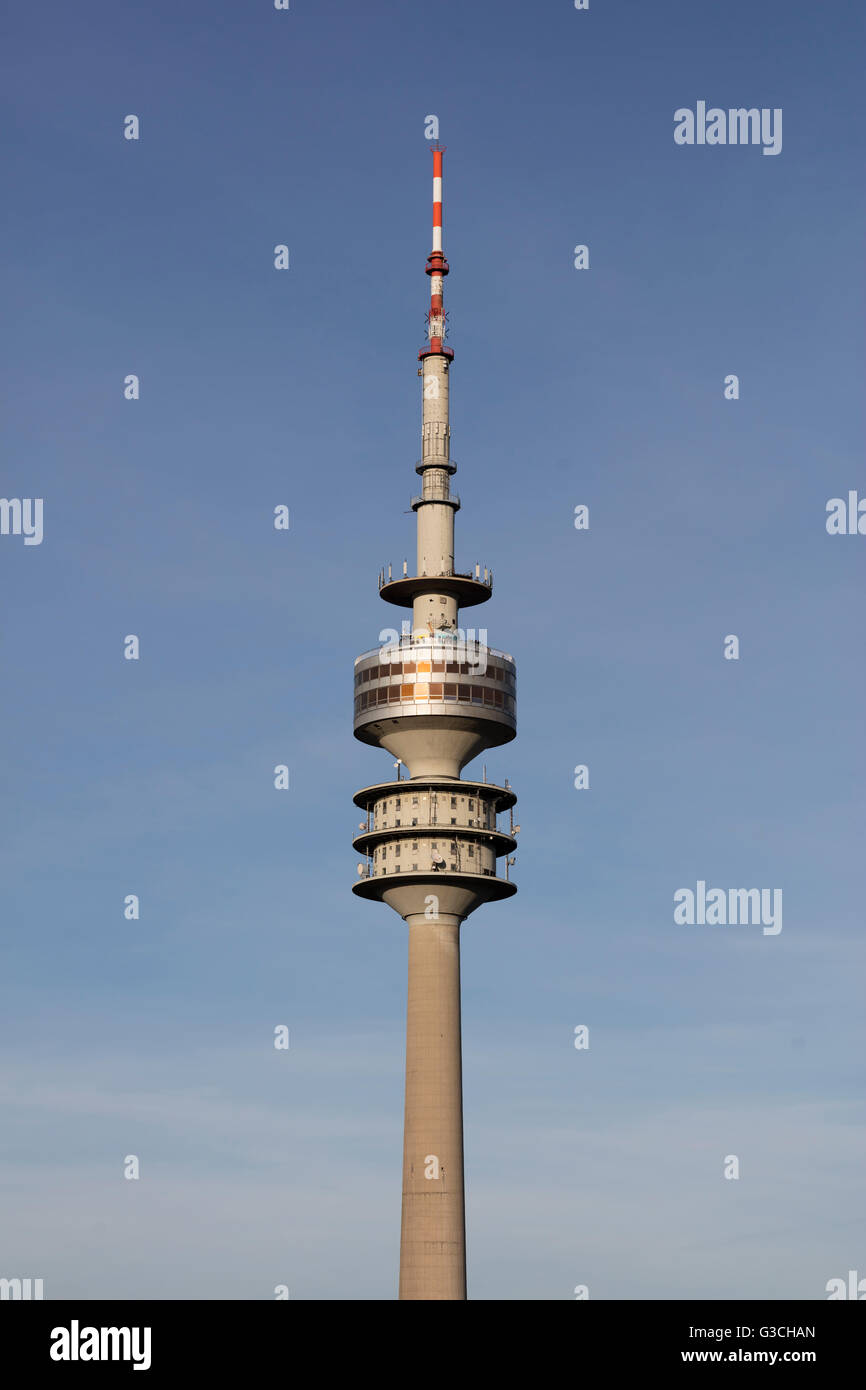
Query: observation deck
[
  {"x": 468, "y": 590},
  {"x": 440, "y": 680},
  {"x": 435, "y": 703}
]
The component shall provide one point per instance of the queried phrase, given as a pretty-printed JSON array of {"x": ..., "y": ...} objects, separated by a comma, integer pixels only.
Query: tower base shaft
[{"x": 433, "y": 1234}]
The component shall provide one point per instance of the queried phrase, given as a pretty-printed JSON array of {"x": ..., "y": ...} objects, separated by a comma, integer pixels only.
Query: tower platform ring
[
  {"x": 505, "y": 798},
  {"x": 487, "y": 888},
  {"x": 464, "y": 588},
  {"x": 446, "y": 465}
]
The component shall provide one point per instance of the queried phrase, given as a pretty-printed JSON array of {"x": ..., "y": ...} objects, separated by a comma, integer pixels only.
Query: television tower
[{"x": 434, "y": 697}]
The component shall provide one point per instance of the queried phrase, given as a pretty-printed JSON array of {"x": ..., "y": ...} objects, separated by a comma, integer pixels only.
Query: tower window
[
  {"x": 454, "y": 803},
  {"x": 397, "y": 803},
  {"x": 453, "y": 820}
]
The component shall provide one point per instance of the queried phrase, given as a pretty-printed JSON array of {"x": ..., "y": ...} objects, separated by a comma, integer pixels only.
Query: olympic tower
[{"x": 435, "y": 697}]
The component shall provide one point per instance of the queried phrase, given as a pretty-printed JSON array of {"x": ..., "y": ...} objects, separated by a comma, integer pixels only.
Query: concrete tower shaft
[
  {"x": 435, "y": 427},
  {"x": 434, "y": 699},
  {"x": 435, "y": 610},
  {"x": 432, "y": 1227}
]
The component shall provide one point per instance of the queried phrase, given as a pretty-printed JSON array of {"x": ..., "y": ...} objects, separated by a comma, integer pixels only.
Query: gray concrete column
[{"x": 433, "y": 1236}]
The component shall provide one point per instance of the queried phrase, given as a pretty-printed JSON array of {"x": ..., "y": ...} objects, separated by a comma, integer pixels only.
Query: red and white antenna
[{"x": 437, "y": 266}]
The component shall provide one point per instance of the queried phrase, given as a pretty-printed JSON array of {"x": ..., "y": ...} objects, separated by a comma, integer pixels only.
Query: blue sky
[{"x": 707, "y": 517}]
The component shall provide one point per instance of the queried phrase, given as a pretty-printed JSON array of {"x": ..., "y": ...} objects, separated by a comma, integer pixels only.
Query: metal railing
[
  {"x": 476, "y": 826},
  {"x": 482, "y": 575},
  {"x": 373, "y": 872},
  {"x": 448, "y": 498}
]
